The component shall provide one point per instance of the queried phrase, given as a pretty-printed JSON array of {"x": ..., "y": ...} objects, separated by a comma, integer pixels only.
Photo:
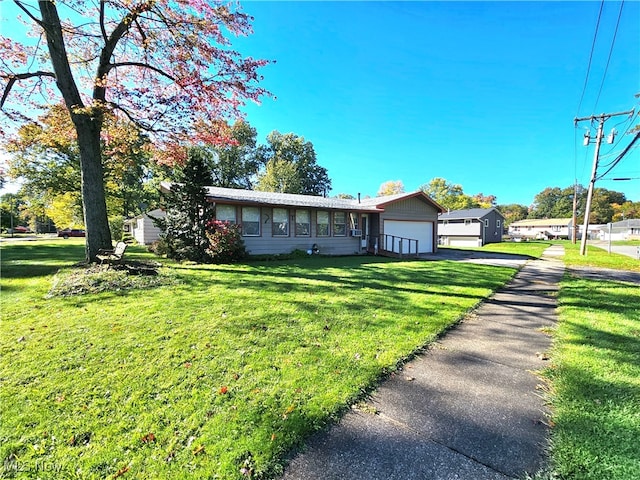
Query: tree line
[
  {"x": 45, "y": 157},
  {"x": 553, "y": 202}
]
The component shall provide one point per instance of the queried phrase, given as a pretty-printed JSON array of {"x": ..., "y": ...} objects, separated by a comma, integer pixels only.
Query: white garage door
[
  {"x": 464, "y": 241},
  {"x": 421, "y": 231}
]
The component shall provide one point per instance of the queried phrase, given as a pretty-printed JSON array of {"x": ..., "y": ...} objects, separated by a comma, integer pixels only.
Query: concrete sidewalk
[{"x": 468, "y": 408}]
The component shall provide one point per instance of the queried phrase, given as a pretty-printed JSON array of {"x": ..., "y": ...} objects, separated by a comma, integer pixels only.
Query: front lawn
[
  {"x": 532, "y": 249},
  {"x": 595, "y": 381},
  {"x": 597, "y": 257},
  {"x": 218, "y": 375}
]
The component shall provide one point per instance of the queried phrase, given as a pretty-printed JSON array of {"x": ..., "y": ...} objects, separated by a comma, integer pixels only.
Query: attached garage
[{"x": 421, "y": 231}]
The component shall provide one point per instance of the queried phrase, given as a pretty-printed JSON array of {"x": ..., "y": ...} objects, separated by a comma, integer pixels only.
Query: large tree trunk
[
  {"x": 93, "y": 197},
  {"x": 88, "y": 123}
]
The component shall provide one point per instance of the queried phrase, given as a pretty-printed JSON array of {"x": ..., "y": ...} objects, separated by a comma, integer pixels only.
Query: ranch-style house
[{"x": 275, "y": 223}]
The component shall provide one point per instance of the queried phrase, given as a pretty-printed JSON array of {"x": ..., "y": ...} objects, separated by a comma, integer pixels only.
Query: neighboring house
[
  {"x": 274, "y": 223},
  {"x": 542, "y": 229},
  {"x": 624, "y": 230},
  {"x": 474, "y": 227},
  {"x": 142, "y": 228}
]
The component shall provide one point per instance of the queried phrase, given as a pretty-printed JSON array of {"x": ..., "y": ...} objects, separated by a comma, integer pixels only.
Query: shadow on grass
[
  {"x": 598, "y": 436},
  {"x": 597, "y": 400},
  {"x": 352, "y": 273},
  {"x": 31, "y": 259}
]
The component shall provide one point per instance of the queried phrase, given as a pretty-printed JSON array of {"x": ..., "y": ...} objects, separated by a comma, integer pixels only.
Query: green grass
[
  {"x": 597, "y": 257},
  {"x": 217, "y": 376},
  {"x": 531, "y": 249},
  {"x": 632, "y": 243},
  {"x": 595, "y": 381}
]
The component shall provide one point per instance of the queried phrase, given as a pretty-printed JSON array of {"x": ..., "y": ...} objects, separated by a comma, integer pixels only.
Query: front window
[
  {"x": 251, "y": 221},
  {"x": 280, "y": 222},
  {"x": 322, "y": 224},
  {"x": 226, "y": 213},
  {"x": 339, "y": 224},
  {"x": 486, "y": 222},
  {"x": 498, "y": 223},
  {"x": 303, "y": 223}
]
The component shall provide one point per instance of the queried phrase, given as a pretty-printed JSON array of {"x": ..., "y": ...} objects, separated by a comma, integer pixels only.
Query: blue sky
[{"x": 482, "y": 94}]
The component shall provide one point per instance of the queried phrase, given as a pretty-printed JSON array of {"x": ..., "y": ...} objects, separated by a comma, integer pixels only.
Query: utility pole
[
  {"x": 574, "y": 218},
  {"x": 587, "y": 210}
]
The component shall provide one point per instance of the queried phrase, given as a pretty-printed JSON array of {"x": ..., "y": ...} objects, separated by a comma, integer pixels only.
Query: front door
[{"x": 364, "y": 225}]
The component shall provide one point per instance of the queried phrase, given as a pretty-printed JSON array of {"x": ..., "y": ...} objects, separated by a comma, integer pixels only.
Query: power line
[
  {"x": 620, "y": 157},
  {"x": 593, "y": 45},
  {"x": 613, "y": 42}
]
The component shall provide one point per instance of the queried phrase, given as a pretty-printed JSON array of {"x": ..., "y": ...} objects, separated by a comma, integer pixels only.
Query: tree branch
[
  {"x": 102, "y": 29},
  {"x": 104, "y": 65},
  {"x": 13, "y": 78},
  {"x": 141, "y": 65},
  {"x": 29, "y": 14},
  {"x": 132, "y": 118}
]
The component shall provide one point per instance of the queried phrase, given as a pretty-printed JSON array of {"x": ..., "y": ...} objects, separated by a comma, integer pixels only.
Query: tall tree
[
  {"x": 484, "y": 201},
  {"x": 449, "y": 195},
  {"x": 45, "y": 155},
  {"x": 291, "y": 166},
  {"x": 236, "y": 165},
  {"x": 188, "y": 212},
  {"x": 554, "y": 202},
  {"x": 626, "y": 210},
  {"x": 164, "y": 65},
  {"x": 513, "y": 212},
  {"x": 391, "y": 187},
  {"x": 603, "y": 205}
]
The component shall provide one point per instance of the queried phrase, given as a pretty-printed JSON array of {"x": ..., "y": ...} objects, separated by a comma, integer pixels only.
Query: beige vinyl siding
[{"x": 412, "y": 210}]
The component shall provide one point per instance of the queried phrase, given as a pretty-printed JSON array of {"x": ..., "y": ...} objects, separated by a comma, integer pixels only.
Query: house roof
[
  {"x": 545, "y": 222},
  {"x": 468, "y": 213},
  {"x": 153, "y": 213},
  {"x": 254, "y": 197},
  {"x": 628, "y": 223}
]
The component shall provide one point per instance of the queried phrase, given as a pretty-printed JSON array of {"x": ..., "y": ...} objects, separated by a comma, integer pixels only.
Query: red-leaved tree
[{"x": 167, "y": 66}]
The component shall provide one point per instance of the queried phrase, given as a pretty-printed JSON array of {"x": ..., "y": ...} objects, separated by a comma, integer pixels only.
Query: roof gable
[
  {"x": 381, "y": 202},
  {"x": 473, "y": 213}
]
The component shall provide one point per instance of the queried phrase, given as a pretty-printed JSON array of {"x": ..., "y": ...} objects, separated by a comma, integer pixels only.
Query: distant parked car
[
  {"x": 71, "y": 232},
  {"x": 20, "y": 229}
]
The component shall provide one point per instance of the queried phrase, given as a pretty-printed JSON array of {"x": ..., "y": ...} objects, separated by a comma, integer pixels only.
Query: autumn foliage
[{"x": 165, "y": 66}]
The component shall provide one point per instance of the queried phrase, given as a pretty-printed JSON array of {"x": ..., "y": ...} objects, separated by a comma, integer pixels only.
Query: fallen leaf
[
  {"x": 198, "y": 450},
  {"x": 148, "y": 438},
  {"x": 223, "y": 390},
  {"x": 187, "y": 364},
  {"x": 121, "y": 472}
]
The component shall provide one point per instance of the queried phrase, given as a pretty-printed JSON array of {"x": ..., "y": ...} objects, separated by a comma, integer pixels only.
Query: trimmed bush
[{"x": 225, "y": 242}]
